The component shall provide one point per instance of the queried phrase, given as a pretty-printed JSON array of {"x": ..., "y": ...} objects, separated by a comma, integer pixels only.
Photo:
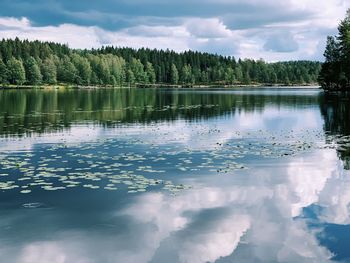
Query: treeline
[
  {"x": 335, "y": 73},
  {"x": 35, "y": 63}
]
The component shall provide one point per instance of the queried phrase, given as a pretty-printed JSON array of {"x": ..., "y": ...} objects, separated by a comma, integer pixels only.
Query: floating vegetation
[{"x": 134, "y": 164}]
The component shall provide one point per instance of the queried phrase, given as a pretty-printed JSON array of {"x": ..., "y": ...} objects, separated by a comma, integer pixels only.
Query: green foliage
[
  {"x": 3, "y": 73},
  {"x": 49, "y": 71},
  {"x": 138, "y": 69},
  {"x": 186, "y": 74},
  {"x": 126, "y": 66},
  {"x": 229, "y": 76},
  {"x": 151, "y": 75},
  {"x": 239, "y": 73},
  {"x": 33, "y": 72},
  {"x": 16, "y": 71},
  {"x": 83, "y": 68},
  {"x": 67, "y": 72},
  {"x": 335, "y": 73},
  {"x": 174, "y": 74},
  {"x": 130, "y": 77}
]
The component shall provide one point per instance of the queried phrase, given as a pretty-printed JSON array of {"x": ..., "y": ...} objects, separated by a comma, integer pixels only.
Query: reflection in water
[
  {"x": 267, "y": 184},
  {"x": 336, "y": 113},
  {"x": 40, "y": 111}
]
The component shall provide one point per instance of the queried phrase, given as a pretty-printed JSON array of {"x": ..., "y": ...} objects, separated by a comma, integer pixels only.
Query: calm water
[{"x": 143, "y": 175}]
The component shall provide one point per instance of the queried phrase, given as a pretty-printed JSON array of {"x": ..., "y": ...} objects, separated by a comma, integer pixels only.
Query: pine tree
[
  {"x": 3, "y": 73},
  {"x": 335, "y": 72}
]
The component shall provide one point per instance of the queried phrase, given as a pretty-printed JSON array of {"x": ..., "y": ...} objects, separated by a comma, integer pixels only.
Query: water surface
[{"x": 174, "y": 175}]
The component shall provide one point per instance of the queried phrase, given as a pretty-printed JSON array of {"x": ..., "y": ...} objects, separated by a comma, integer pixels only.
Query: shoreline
[{"x": 150, "y": 86}]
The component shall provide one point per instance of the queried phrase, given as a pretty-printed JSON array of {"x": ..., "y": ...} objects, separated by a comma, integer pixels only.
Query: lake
[{"x": 174, "y": 175}]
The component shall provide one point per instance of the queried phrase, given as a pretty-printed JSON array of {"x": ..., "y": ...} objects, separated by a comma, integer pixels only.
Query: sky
[{"x": 268, "y": 29}]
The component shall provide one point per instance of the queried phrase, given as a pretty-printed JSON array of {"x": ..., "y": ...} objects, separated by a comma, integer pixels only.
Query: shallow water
[{"x": 159, "y": 175}]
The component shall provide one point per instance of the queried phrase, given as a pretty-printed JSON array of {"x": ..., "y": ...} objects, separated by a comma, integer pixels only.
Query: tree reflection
[
  {"x": 39, "y": 111},
  {"x": 336, "y": 113}
]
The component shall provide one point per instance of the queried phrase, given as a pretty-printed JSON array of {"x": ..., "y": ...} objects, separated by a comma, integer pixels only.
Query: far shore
[{"x": 218, "y": 86}]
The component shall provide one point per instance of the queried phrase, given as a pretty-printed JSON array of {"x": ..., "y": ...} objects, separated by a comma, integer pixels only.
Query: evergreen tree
[
  {"x": 3, "y": 73},
  {"x": 332, "y": 52},
  {"x": 335, "y": 72}
]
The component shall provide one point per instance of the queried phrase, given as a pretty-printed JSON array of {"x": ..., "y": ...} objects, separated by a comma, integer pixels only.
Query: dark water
[{"x": 143, "y": 175}]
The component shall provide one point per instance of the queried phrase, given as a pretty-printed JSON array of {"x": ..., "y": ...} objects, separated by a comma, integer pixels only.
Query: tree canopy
[
  {"x": 36, "y": 63},
  {"x": 335, "y": 72}
]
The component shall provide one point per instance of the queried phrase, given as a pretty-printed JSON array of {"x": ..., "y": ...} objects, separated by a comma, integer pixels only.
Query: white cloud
[
  {"x": 209, "y": 35},
  {"x": 208, "y": 28}
]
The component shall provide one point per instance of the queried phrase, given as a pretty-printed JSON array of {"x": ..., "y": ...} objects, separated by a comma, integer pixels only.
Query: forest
[
  {"x": 335, "y": 72},
  {"x": 36, "y": 63}
]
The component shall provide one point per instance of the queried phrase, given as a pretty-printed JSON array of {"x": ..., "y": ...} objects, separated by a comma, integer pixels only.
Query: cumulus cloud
[{"x": 207, "y": 28}]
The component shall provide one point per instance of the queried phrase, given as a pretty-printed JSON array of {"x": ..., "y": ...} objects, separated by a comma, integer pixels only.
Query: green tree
[
  {"x": 186, "y": 74},
  {"x": 3, "y": 73},
  {"x": 229, "y": 75},
  {"x": 239, "y": 73},
  {"x": 110, "y": 65},
  {"x": 151, "y": 75},
  {"x": 335, "y": 72},
  {"x": 130, "y": 77},
  {"x": 332, "y": 52},
  {"x": 138, "y": 69},
  {"x": 16, "y": 71},
  {"x": 67, "y": 72},
  {"x": 33, "y": 72},
  {"x": 174, "y": 74},
  {"x": 83, "y": 69},
  {"x": 273, "y": 78},
  {"x": 117, "y": 69},
  {"x": 246, "y": 78},
  {"x": 49, "y": 71},
  {"x": 344, "y": 36}
]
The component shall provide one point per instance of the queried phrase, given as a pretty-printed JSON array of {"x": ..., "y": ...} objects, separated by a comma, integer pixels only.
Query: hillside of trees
[
  {"x": 37, "y": 63},
  {"x": 335, "y": 73}
]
